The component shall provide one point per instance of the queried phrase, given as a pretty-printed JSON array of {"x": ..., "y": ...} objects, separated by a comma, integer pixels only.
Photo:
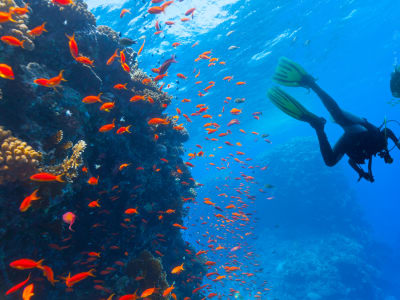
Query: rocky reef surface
[
  {"x": 314, "y": 243},
  {"x": 46, "y": 129}
]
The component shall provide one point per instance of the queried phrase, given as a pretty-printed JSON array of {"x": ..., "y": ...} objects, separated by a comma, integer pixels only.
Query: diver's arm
[
  {"x": 360, "y": 171},
  {"x": 390, "y": 135}
]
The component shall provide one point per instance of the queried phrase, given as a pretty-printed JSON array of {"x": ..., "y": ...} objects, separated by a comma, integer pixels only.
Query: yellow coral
[
  {"x": 17, "y": 160},
  {"x": 69, "y": 167}
]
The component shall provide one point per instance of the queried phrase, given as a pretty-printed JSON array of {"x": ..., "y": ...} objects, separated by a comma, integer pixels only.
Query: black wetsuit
[{"x": 361, "y": 140}]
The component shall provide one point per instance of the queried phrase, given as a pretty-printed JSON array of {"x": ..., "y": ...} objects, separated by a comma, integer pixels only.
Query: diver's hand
[{"x": 366, "y": 176}]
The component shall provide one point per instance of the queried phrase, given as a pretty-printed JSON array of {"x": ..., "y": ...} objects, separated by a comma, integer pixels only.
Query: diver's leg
[
  {"x": 337, "y": 114},
  {"x": 331, "y": 156}
]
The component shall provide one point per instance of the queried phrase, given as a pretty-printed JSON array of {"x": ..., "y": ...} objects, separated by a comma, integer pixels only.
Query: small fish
[
  {"x": 123, "y": 12},
  {"x": 123, "y": 166},
  {"x": 18, "y": 286},
  {"x": 84, "y": 60},
  {"x": 178, "y": 269},
  {"x": 63, "y": 2},
  {"x": 28, "y": 200},
  {"x": 6, "y": 17},
  {"x": 37, "y": 31},
  {"x": 233, "y": 47},
  {"x": 93, "y": 180},
  {"x": 46, "y": 177},
  {"x": 240, "y": 100},
  {"x": 190, "y": 11},
  {"x": 94, "y": 203},
  {"x": 92, "y": 99},
  {"x": 157, "y": 121},
  {"x": 12, "y": 41},
  {"x": 6, "y": 72},
  {"x": 73, "y": 46},
  {"x": 107, "y": 106},
  {"x": 27, "y": 293},
  {"x": 148, "y": 292},
  {"x": 112, "y": 58},
  {"x": 126, "y": 42},
  {"x": 70, "y": 281},
  {"x": 19, "y": 10},
  {"x": 124, "y": 129},
  {"x": 141, "y": 47},
  {"x": 131, "y": 211},
  {"x": 26, "y": 263}
]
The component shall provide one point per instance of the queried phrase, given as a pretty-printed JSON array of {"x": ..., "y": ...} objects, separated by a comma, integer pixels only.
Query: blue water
[{"x": 350, "y": 46}]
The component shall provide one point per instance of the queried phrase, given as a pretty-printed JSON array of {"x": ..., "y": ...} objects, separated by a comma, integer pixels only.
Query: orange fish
[
  {"x": 92, "y": 99},
  {"x": 168, "y": 291},
  {"x": 70, "y": 281},
  {"x": 146, "y": 81},
  {"x": 123, "y": 166},
  {"x": 27, "y": 293},
  {"x": 178, "y": 269},
  {"x": 235, "y": 111},
  {"x": 120, "y": 86},
  {"x": 12, "y": 41},
  {"x": 148, "y": 292},
  {"x": 112, "y": 58},
  {"x": 107, "y": 106},
  {"x": 63, "y": 2},
  {"x": 181, "y": 76},
  {"x": 125, "y": 67},
  {"x": 124, "y": 129},
  {"x": 157, "y": 121},
  {"x": 18, "y": 286},
  {"x": 131, "y": 211},
  {"x": 93, "y": 180},
  {"x": 46, "y": 177},
  {"x": 49, "y": 274},
  {"x": 25, "y": 263},
  {"x": 240, "y": 83},
  {"x": 27, "y": 201},
  {"x": 84, "y": 60},
  {"x": 141, "y": 48},
  {"x": 94, "y": 203},
  {"x": 19, "y": 10},
  {"x": 73, "y": 46},
  {"x": 6, "y": 17},
  {"x": 156, "y": 10},
  {"x": 123, "y": 12},
  {"x": 37, "y": 31},
  {"x": 176, "y": 44},
  {"x": 6, "y": 72},
  {"x": 137, "y": 98}
]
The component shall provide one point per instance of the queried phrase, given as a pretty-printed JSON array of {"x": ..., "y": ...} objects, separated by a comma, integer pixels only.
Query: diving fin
[
  {"x": 289, "y": 73},
  {"x": 293, "y": 108}
]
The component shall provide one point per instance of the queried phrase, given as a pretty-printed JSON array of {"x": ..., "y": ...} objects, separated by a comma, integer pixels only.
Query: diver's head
[{"x": 395, "y": 82}]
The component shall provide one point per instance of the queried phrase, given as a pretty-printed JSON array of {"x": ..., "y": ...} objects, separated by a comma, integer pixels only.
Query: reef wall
[{"x": 53, "y": 131}]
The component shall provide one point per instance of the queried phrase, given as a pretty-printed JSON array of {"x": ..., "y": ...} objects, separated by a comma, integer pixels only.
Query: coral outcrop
[
  {"x": 38, "y": 114},
  {"x": 18, "y": 160}
]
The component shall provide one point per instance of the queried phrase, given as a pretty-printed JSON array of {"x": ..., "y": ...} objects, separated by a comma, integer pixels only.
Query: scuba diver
[{"x": 361, "y": 140}]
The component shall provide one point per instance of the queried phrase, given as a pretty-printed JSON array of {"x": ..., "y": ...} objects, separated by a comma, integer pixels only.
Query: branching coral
[
  {"x": 69, "y": 167},
  {"x": 17, "y": 160}
]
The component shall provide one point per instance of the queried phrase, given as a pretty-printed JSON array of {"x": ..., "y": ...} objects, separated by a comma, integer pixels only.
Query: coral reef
[
  {"x": 66, "y": 132},
  {"x": 17, "y": 160}
]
